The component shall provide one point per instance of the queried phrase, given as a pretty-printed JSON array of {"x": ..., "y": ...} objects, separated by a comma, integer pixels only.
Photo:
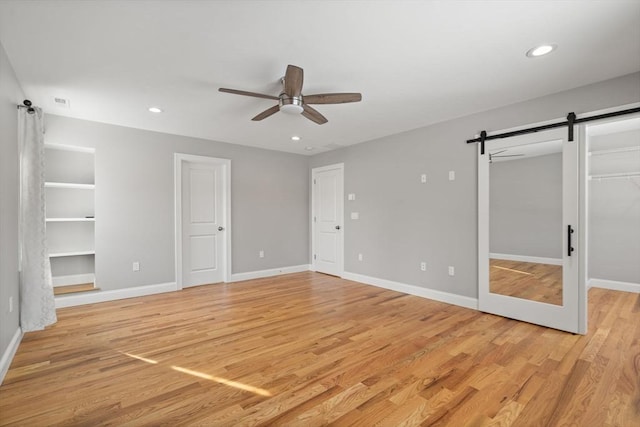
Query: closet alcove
[{"x": 614, "y": 203}]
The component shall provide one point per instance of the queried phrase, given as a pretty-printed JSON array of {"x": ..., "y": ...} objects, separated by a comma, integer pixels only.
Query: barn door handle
[
  {"x": 220, "y": 228},
  {"x": 569, "y": 233}
]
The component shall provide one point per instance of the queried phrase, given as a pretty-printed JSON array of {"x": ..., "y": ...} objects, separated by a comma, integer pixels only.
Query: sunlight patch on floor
[
  {"x": 512, "y": 270},
  {"x": 230, "y": 383},
  {"x": 224, "y": 381},
  {"x": 144, "y": 359}
]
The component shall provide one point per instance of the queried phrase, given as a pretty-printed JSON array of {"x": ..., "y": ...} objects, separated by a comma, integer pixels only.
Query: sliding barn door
[{"x": 528, "y": 202}]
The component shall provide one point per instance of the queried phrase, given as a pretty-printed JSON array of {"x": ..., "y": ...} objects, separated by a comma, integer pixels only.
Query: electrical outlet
[
  {"x": 261, "y": 254},
  {"x": 136, "y": 266},
  {"x": 452, "y": 271},
  {"x": 359, "y": 257},
  {"x": 10, "y": 304},
  {"x": 423, "y": 266}
]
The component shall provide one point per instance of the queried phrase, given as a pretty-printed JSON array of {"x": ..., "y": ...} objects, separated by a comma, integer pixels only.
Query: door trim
[
  {"x": 314, "y": 171},
  {"x": 179, "y": 160}
]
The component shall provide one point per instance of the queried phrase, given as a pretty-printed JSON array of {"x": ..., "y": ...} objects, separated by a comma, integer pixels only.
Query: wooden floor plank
[
  {"x": 309, "y": 349},
  {"x": 73, "y": 289}
]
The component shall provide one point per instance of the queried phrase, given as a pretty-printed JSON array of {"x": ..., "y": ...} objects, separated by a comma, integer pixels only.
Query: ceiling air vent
[{"x": 61, "y": 102}]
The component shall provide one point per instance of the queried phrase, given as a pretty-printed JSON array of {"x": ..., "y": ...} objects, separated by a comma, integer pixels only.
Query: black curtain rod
[
  {"x": 28, "y": 105},
  {"x": 571, "y": 120}
]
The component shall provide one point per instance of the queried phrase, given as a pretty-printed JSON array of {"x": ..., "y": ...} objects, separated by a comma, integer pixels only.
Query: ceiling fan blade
[
  {"x": 313, "y": 115},
  {"x": 245, "y": 93},
  {"x": 332, "y": 98},
  {"x": 266, "y": 113},
  {"x": 293, "y": 81}
]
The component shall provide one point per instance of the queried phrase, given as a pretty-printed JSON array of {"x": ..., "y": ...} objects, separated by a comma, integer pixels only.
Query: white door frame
[
  {"x": 512, "y": 307},
  {"x": 314, "y": 171},
  {"x": 179, "y": 160}
]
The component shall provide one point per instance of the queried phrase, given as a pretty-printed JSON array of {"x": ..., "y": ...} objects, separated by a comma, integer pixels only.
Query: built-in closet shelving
[
  {"x": 70, "y": 214},
  {"x": 615, "y": 163}
]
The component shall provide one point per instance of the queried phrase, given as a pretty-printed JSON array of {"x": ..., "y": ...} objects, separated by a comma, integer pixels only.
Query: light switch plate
[
  {"x": 351, "y": 196},
  {"x": 423, "y": 178},
  {"x": 355, "y": 215},
  {"x": 452, "y": 175}
]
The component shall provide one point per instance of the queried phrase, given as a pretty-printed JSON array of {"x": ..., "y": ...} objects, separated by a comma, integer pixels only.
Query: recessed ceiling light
[
  {"x": 308, "y": 148},
  {"x": 155, "y": 110},
  {"x": 295, "y": 138},
  {"x": 541, "y": 50}
]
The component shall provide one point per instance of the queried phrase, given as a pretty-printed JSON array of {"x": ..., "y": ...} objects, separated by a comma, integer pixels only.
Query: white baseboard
[
  {"x": 525, "y": 258},
  {"x": 7, "y": 357},
  {"x": 446, "y": 297},
  {"x": 75, "y": 279},
  {"x": 238, "y": 277},
  {"x": 112, "y": 295},
  {"x": 72, "y": 300},
  {"x": 614, "y": 285}
]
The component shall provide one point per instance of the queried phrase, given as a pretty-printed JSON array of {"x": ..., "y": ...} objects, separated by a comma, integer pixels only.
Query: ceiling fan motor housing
[{"x": 290, "y": 105}]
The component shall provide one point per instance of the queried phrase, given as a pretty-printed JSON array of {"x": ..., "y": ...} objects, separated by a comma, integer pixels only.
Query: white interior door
[
  {"x": 203, "y": 224},
  {"x": 328, "y": 219},
  {"x": 528, "y": 212}
]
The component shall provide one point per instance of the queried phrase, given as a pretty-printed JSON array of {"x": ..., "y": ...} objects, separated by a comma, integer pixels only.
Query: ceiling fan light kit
[
  {"x": 291, "y": 100},
  {"x": 291, "y": 105}
]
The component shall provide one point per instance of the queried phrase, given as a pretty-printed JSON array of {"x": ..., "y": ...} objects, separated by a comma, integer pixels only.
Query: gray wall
[
  {"x": 525, "y": 206},
  {"x": 614, "y": 211},
  {"x": 135, "y": 201},
  {"x": 403, "y": 222},
  {"x": 10, "y": 95}
]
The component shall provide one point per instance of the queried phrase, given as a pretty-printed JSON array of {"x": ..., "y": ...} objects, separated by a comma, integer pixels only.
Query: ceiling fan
[
  {"x": 292, "y": 101},
  {"x": 495, "y": 155}
]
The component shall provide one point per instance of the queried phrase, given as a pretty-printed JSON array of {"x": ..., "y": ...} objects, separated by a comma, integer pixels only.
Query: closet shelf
[
  {"x": 614, "y": 151},
  {"x": 76, "y": 253},
  {"x": 71, "y": 220},
  {"x": 69, "y": 185}
]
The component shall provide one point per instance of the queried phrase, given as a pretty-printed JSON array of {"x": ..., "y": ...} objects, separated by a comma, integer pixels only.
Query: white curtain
[{"x": 37, "y": 303}]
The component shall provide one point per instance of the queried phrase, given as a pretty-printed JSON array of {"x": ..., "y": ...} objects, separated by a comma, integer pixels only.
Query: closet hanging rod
[
  {"x": 614, "y": 176},
  {"x": 570, "y": 122},
  {"x": 614, "y": 151}
]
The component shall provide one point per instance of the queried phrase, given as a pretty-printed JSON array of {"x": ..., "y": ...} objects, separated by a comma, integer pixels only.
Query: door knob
[
  {"x": 337, "y": 227},
  {"x": 220, "y": 228}
]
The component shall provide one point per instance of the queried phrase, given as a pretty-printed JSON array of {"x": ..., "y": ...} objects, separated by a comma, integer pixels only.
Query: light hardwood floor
[
  {"x": 527, "y": 280},
  {"x": 74, "y": 289},
  {"x": 309, "y": 349}
]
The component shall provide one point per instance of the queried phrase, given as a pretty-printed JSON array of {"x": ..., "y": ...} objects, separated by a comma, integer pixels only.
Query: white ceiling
[{"x": 415, "y": 62}]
